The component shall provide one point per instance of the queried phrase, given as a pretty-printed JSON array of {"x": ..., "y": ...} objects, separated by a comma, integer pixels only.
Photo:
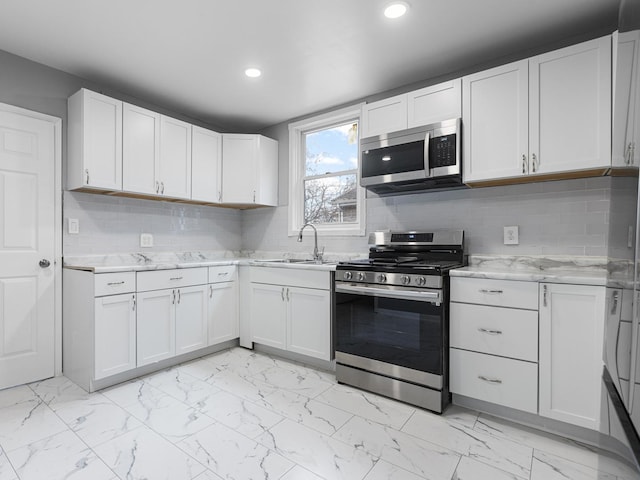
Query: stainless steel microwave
[{"x": 419, "y": 158}]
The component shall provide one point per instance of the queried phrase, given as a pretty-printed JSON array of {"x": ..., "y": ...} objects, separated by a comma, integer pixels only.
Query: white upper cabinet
[
  {"x": 140, "y": 149},
  {"x": 174, "y": 172},
  {"x": 420, "y": 107},
  {"x": 545, "y": 115},
  {"x": 626, "y": 109},
  {"x": 206, "y": 165},
  {"x": 495, "y": 120},
  {"x": 435, "y": 103},
  {"x": 384, "y": 116},
  {"x": 249, "y": 170},
  {"x": 570, "y": 108},
  {"x": 95, "y": 142}
]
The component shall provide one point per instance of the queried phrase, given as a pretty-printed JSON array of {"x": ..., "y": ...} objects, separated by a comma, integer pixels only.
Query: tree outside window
[
  {"x": 323, "y": 174},
  {"x": 331, "y": 172}
]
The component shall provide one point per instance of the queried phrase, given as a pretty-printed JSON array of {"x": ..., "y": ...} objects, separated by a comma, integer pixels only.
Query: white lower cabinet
[
  {"x": 308, "y": 328},
  {"x": 115, "y": 323},
  {"x": 171, "y": 321},
  {"x": 156, "y": 326},
  {"x": 494, "y": 341},
  {"x": 571, "y": 348},
  {"x": 288, "y": 317},
  {"x": 223, "y": 310},
  {"x": 545, "y": 357},
  {"x": 499, "y": 380},
  {"x": 115, "y": 334},
  {"x": 191, "y": 319},
  {"x": 269, "y": 315},
  {"x": 99, "y": 333}
]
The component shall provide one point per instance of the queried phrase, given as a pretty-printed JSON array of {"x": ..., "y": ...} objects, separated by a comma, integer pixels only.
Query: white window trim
[{"x": 297, "y": 172}]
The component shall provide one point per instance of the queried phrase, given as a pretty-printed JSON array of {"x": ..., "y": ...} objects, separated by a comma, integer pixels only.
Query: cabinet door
[
  {"x": 495, "y": 123},
  {"x": 239, "y": 168},
  {"x": 191, "y": 318},
  {"x": 95, "y": 141},
  {"x": 114, "y": 335},
  {"x": 626, "y": 55},
  {"x": 570, "y": 108},
  {"x": 156, "y": 326},
  {"x": 223, "y": 312},
  {"x": 571, "y": 349},
  {"x": 309, "y": 322},
  {"x": 174, "y": 172},
  {"x": 206, "y": 167},
  {"x": 140, "y": 149},
  {"x": 435, "y": 103},
  {"x": 268, "y": 315},
  {"x": 384, "y": 116}
]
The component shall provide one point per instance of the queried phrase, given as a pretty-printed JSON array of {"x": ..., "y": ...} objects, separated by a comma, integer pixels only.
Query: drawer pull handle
[
  {"x": 492, "y": 292},
  {"x": 175, "y": 278},
  {"x": 111, "y": 284},
  {"x": 490, "y": 380},
  {"x": 490, "y": 332},
  {"x": 223, "y": 274}
]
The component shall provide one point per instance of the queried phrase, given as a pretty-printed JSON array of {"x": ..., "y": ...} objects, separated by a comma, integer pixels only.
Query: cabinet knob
[{"x": 44, "y": 263}]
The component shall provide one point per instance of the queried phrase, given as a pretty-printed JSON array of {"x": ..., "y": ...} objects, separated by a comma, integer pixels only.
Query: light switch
[
  {"x": 74, "y": 226},
  {"x": 511, "y": 235},
  {"x": 146, "y": 240}
]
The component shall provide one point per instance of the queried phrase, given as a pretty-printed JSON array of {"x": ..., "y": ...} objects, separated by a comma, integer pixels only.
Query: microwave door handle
[{"x": 427, "y": 168}]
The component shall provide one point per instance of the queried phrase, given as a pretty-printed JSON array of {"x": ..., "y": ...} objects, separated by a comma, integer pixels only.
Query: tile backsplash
[
  {"x": 113, "y": 225},
  {"x": 568, "y": 217}
]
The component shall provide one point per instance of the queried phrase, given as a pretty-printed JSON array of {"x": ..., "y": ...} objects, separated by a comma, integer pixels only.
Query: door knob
[{"x": 44, "y": 263}]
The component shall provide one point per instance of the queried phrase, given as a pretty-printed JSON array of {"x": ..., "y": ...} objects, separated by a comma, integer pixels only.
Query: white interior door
[{"x": 27, "y": 249}]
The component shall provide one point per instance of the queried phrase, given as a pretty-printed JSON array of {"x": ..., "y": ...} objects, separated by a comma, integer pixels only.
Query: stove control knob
[
  {"x": 405, "y": 279},
  {"x": 361, "y": 276},
  {"x": 348, "y": 275},
  {"x": 422, "y": 281},
  {"x": 382, "y": 278}
]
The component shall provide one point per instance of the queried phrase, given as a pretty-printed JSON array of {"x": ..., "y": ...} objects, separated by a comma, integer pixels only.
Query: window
[{"x": 323, "y": 174}]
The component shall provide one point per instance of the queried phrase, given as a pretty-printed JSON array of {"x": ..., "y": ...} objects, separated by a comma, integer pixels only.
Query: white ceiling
[{"x": 189, "y": 55}]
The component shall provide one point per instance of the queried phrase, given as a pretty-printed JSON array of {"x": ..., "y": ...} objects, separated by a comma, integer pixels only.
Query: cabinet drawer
[
  {"x": 508, "y": 332},
  {"x": 503, "y": 381},
  {"x": 223, "y": 273},
  {"x": 501, "y": 293},
  {"x": 180, "y": 277},
  {"x": 114, "y": 283}
]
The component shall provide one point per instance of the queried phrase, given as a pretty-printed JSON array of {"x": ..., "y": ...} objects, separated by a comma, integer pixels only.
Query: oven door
[{"x": 392, "y": 331}]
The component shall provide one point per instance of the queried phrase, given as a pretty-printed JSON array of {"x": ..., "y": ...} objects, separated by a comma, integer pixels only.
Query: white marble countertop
[
  {"x": 552, "y": 269},
  {"x": 136, "y": 262}
]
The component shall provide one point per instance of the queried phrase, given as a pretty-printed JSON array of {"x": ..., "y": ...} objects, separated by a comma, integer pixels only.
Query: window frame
[{"x": 297, "y": 170}]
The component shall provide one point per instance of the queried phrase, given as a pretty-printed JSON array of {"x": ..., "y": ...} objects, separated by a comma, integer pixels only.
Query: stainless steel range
[{"x": 392, "y": 316}]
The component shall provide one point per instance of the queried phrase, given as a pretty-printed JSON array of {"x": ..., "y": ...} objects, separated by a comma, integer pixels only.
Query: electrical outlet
[
  {"x": 511, "y": 235},
  {"x": 146, "y": 240},
  {"x": 74, "y": 226}
]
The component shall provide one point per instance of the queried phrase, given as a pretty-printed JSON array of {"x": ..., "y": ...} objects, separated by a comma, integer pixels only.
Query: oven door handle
[{"x": 426, "y": 296}]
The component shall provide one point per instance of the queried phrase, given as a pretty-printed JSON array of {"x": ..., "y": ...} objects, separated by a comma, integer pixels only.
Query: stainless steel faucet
[{"x": 317, "y": 256}]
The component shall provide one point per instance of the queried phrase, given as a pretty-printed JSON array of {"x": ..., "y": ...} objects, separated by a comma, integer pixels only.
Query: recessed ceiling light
[
  {"x": 396, "y": 9},
  {"x": 252, "y": 72}
]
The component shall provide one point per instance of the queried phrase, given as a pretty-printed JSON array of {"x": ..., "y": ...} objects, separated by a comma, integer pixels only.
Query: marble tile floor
[{"x": 243, "y": 415}]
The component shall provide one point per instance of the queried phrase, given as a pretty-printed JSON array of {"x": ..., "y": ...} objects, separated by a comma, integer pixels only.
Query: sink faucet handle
[{"x": 320, "y": 253}]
